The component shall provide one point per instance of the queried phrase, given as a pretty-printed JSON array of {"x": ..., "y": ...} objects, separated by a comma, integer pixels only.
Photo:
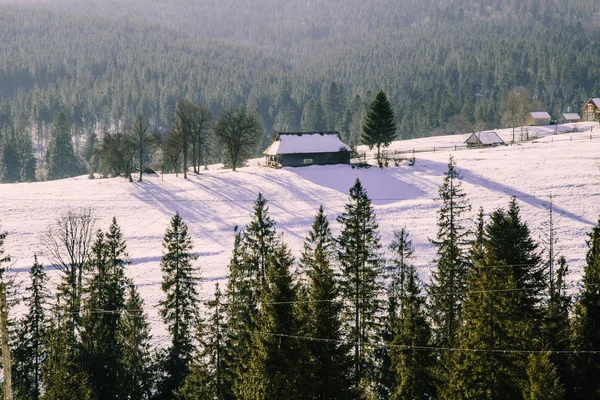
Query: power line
[{"x": 416, "y": 348}]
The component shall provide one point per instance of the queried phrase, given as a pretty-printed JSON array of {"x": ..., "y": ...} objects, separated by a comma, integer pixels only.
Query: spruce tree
[
  {"x": 556, "y": 328},
  {"x": 361, "y": 266},
  {"x": 327, "y": 373},
  {"x": 259, "y": 240},
  {"x": 379, "y": 128},
  {"x": 543, "y": 379},
  {"x": 62, "y": 375},
  {"x": 274, "y": 371},
  {"x": 10, "y": 163},
  {"x": 411, "y": 367},
  {"x": 449, "y": 280},
  {"x": 210, "y": 375},
  {"x": 60, "y": 158},
  {"x": 101, "y": 349},
  {"x": 29, "y": 351},
  {"x": 179, "y": 309},
  {"x": 134, "y": 341},
  {"x": 252, "y": 251},
  {"x": 499, "y": 313},
  {"x": 586, "y": 335},
  {"x": 241, "y": 309}
]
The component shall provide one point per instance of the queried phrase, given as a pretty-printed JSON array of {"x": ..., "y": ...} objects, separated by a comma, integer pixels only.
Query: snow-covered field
[{"x": 217, "y": 200}]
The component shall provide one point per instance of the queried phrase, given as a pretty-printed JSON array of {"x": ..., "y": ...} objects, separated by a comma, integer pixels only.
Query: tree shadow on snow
[
  {"x": 438, "y": 168},
  {"x": 383, "y": 186}
]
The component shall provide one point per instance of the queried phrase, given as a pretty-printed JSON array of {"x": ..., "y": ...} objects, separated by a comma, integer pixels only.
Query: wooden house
[
  {"x": 297, "y": 149},
  {"x": 484, "y": 139},
  {"x": 591, "y": 110},
  {"x": 571, "y": 117},
  {"x": 538, "y": 118}
]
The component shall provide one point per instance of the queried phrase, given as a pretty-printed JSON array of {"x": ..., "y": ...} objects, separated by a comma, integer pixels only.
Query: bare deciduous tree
[
  {"x": 184, "y": 126},
  {"x": 513, "y": 109},
  {"x": 239, "y": 132},
  {"x": 68, "y": 246},
  {"x": 200, "y": 136},
  {"x": 139, "y": 133}
]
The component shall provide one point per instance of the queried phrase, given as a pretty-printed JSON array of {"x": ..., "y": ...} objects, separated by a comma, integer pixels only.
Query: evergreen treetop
[
  {"x": 328, "y": 366},
  {"x": 180, "y": 308},
  {"x": 360, "y": 262},
  {"x": 379, "y": 128}
]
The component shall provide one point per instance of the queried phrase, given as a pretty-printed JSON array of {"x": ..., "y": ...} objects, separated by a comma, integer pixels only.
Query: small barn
[
  {"x": 591, "y": 110},
  {"x": 538, "y": 118},
  {"x": 297, "y": 149},
  {"x": 571, "y": 117},
  {"x": 484, "y": 139}
]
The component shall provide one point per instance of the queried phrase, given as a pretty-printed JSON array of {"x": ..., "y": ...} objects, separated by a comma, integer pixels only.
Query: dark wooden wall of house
[{"x": 297, "y": 160}]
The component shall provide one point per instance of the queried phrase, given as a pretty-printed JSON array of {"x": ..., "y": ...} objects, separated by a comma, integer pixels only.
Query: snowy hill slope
[{"x": 216, "y": 201}]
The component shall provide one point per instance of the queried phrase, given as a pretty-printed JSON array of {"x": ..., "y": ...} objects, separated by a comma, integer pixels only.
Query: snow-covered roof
[
  {"x": 540, "y": 115},
  {"x": 571, "y": 116},
  {"x": 485, "y": 138},
  {"x": 307, "y": 142},
  {"x": 596, "y": 101}
]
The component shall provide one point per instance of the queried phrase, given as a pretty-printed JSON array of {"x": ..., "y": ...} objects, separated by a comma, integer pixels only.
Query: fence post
[{"x": 434, "y": 149}]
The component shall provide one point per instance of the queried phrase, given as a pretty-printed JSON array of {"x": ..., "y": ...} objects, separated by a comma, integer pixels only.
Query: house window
[{"x": 308, "y": 161}]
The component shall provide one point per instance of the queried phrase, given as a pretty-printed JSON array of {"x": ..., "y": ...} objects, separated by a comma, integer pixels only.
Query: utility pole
[{"x": 6, "y": 364}]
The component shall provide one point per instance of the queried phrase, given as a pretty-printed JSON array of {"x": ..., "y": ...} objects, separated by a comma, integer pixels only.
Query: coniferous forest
[
  {"x": 447, "y": 66},
  {"x": 498, "y": 318}
]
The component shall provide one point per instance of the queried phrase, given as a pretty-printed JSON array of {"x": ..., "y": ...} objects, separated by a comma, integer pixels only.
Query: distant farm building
[
  {"x": 538, "y": 118},
  {"x": 591, "y": 110},
  {"x": 571, "y": 117},
  {"x": 298, "y": 149},
  {"x": 484, "y": 139}
]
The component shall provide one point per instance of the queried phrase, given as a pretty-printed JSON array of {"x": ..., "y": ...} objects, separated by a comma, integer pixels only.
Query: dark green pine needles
[
  {"x": 179, "y": 309},
  {"x": 379, "y": 128}
]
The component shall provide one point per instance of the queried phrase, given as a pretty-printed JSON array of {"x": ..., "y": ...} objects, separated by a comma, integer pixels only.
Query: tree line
[
  {"x": 194, "y": 140},
  {"x": 497, "y": 319}
]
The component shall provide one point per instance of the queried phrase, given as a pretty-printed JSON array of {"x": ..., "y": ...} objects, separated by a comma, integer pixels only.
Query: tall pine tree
[
  {"x": 379, "y": 128},
  {"x": 60, "y": 158},
  {"x": 274, "y": 371},
  {"x": 240, "y": 310},
  {"x": 410, "y": 365},
  {"x": 29, "y": 351},
  {"x": 134, "y": 341},
  {"x": 180, "y": 308},
  {"x": 449, "y": 280},
  {"x": 500, "y": 312},
  {"x": 328, "y": 370},
  {"x": 210, "y": 375},
  {"x": 586, "y": 332},
  {"x": 101, "y": 349},
  {"x": 361, "y": 266},
  {"x": 249, "y": 262}
]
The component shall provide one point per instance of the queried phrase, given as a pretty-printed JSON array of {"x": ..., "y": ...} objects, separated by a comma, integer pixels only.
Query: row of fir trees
[{"x": 497, "y": 320}]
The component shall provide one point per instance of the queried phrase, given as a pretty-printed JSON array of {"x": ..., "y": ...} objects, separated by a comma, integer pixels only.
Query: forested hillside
[{"x": 447, "y": 66}]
